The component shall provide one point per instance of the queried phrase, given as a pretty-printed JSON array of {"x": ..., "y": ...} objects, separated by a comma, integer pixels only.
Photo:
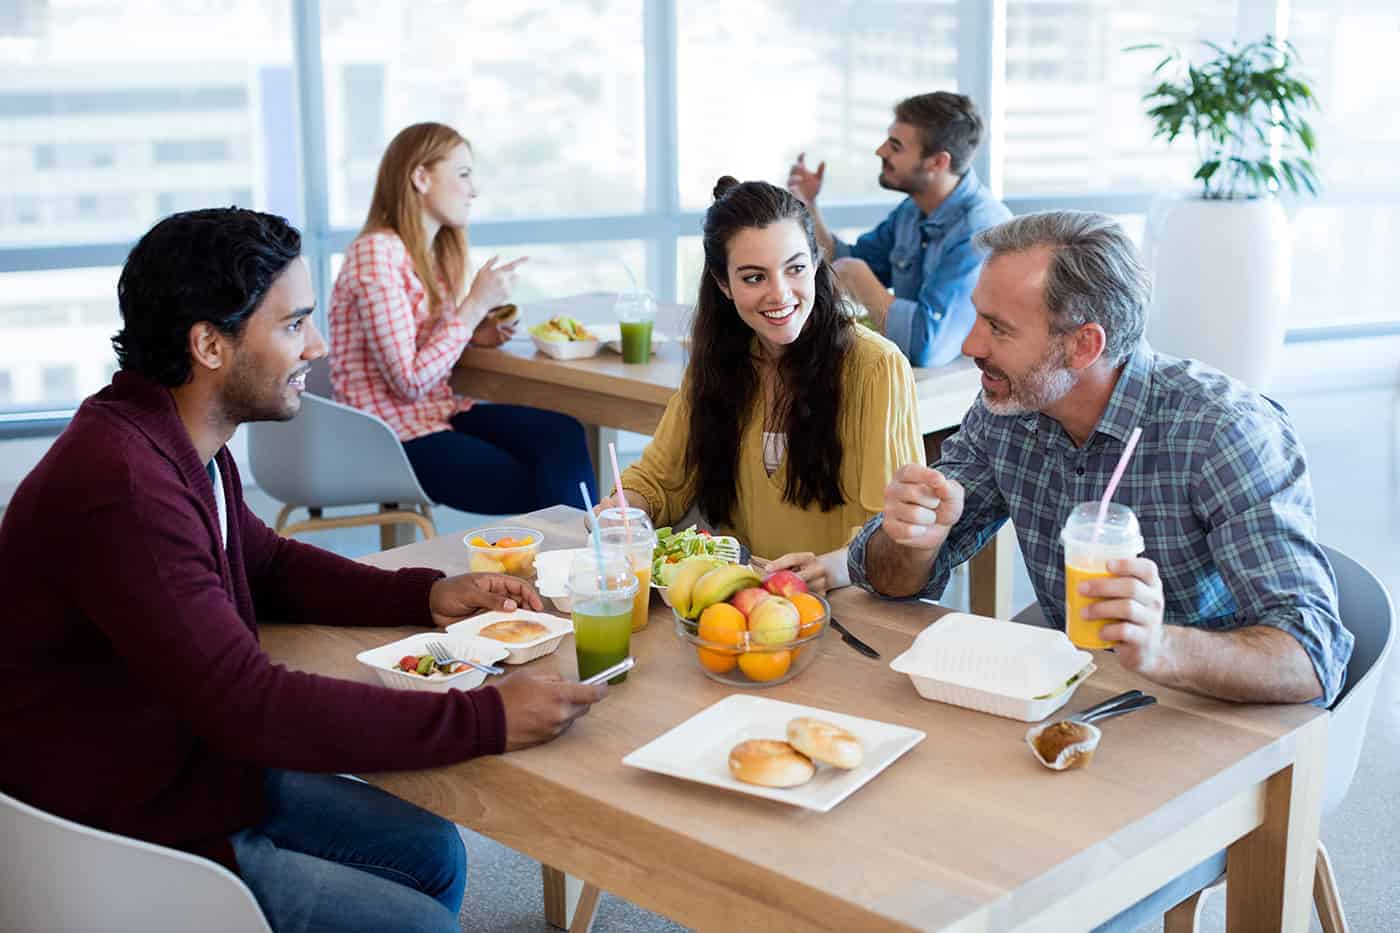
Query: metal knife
[{"x": 853, "y": 641}]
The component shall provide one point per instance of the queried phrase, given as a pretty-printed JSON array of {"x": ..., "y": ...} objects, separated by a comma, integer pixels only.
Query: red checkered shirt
[{"x": 388, "y": 356}]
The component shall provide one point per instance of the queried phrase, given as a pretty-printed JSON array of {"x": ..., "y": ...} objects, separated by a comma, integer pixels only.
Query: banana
[
  {"x": 717, "y": 586},
  {"x": 683, "y": 577}
]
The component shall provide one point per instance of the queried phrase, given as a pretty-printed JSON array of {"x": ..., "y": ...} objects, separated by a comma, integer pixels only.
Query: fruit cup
[{"x": 504, "y": 549}]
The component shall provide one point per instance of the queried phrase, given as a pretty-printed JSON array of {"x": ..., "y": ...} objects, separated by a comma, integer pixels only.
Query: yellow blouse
[{"x": 879, "y": 431}]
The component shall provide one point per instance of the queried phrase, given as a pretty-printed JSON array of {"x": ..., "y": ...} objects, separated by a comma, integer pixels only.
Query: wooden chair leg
[
  {"x": 587, "y": 907},
  {"x": 1186, "y": 916},
  {"x": 282, "y": 515},
  {"x": 1325, "y": 896}
]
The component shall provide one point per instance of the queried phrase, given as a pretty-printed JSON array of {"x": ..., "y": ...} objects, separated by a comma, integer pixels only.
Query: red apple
[
  {"x": 746, "y": 599},
  {"x": 784, "y": 583}
]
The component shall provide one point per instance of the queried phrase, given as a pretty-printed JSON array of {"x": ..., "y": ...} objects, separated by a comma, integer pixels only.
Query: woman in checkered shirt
[{"x": 401, "y": 313}]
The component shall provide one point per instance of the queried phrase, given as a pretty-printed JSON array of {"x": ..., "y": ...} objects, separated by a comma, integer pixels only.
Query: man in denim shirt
[
  {"x": 1233, "y": 598},
  {"x": 923, "y": 249}
]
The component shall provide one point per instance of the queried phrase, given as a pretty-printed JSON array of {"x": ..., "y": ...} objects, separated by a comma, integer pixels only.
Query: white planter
[{"x": 1221, "y": 282}]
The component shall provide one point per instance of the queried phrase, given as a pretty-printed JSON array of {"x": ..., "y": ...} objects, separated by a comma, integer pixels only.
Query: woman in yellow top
[{"x": 791, "y": 418}]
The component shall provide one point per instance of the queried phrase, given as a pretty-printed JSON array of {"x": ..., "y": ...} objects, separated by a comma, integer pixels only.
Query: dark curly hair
[
  {"x": 210, "y": 265},
  {"x": 723, "y": 382}
]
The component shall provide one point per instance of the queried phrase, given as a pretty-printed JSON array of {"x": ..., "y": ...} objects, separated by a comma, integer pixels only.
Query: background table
[{"x": 964, "y": 832}]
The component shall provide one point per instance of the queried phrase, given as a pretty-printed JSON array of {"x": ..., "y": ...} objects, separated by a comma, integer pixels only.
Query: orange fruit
[
  {"x": 724, "y": 625},
  {"x": 507, "y": 541},
  {"x": 809, "y": 612},
  {"x": 527, "y": 540},
  {"x": 765, "y": 665},
  {"x": 721, "y": 662},
  {"x": 479, "y": 541}
]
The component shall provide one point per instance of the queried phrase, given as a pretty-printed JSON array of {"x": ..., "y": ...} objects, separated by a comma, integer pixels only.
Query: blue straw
[{"x": 596, "y": 535}]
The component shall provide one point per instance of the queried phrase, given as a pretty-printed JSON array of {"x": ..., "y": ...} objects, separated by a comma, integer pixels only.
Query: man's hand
[
  {"x": 804, "y": 183},
  {"x": 1133, "y": 599},
  {"x": 540, "y": 705},
  {"x": 452, "y": 598},
  {"x": 865, "y": 288},
  {"x": 921, "y": 507}
]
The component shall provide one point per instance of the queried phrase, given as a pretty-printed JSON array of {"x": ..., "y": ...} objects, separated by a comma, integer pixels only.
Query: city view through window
[{"x": 114, "y": 113}]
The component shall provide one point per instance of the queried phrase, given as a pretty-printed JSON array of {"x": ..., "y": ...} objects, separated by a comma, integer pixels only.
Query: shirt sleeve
[
  {"x": 872, "y": 248},
  {"x": 660, "y": 474},
  {"x": 964, "y": 458},
  {"x": 149, "y": 578},
  {"x": 889, "y": 424},
  {"x": 1254, "y": 496},
  {"x": 942, "y": 314},
  {"x": 382, "y": 307}
]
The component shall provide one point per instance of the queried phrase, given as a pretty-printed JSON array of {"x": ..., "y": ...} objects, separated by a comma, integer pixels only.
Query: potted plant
[{"x": 1221, "y": 257}]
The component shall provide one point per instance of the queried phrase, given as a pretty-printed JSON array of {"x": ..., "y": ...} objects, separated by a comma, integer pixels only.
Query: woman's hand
[
  {"x": 492, "y": 333},
  {"x": 490, "y": 288},
  {"x": 635, "y": 500},
  {"x": 806, "y": 565}
]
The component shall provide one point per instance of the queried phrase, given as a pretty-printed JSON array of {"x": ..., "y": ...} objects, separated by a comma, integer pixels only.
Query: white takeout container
[
  {"x": 1003, "y": 668},
  {"x": 552, "y": 576},
  {"x": 518, "y": 652},
  {"x": 567, "y": 349},
  {"x": 464, "y": 646}
]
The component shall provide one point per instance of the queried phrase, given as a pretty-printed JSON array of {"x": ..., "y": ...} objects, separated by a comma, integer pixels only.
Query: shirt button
[{"x": 1079, "y": 471}]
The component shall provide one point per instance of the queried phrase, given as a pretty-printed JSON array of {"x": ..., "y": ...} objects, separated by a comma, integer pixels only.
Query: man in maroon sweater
[{"x": 134, "y": 696}]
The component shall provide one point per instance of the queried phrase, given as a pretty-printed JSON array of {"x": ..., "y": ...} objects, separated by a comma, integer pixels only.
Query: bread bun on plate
[
  {"x": 514, "y": 631},
  {"x": 824, "y": 742},
  {"x": 770, "y": 763}
]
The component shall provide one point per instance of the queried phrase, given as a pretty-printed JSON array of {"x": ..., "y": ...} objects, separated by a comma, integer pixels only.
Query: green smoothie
[
  {"x": 602, "y": 634},
  {"x": 636, "y": 341}
]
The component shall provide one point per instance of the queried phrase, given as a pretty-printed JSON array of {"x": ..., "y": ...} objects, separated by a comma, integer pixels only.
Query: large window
[
  {"x": 600, "y": 127},
  {"x": 761, "y": 80},
  {"x": 1074, "y": 115},
  {"x": 113, "y": 114},
  {"x": 549, "y": 92}
]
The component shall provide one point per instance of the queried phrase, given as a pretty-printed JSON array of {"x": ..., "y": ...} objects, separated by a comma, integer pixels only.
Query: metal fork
[{"x": 441, "y": 655}]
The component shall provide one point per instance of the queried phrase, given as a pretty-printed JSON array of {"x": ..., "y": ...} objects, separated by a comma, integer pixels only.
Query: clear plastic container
[
  {"x": 1087, "y": 559},
  {"x": 486, "y": 552}
]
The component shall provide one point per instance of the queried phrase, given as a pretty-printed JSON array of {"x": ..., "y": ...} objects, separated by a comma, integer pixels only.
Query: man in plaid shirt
[{"x": 1233, "y": 598}]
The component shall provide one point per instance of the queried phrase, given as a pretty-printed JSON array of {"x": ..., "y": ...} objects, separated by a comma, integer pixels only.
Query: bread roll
[
  {"x": 770, "y": 763},
  {"x": 514, "y": 630},
  {"x": 824, "y": 742}
]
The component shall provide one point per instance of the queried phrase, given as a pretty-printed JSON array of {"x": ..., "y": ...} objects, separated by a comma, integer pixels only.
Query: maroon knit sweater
[{"x": 134, "y": 696}]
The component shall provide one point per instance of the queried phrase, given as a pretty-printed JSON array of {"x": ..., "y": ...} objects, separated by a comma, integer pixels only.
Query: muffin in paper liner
[{"x": 1063, "y": 745}]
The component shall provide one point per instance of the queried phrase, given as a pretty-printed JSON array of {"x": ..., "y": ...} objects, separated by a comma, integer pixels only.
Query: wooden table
[
  {"x": 965, "y": 832},
  {"x": 606, "y": 395}
]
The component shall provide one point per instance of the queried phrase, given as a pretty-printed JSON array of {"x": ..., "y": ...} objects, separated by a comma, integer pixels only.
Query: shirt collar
[
  {"x": 952, "y": 205},
  {"x": 1128, "y": 405}
]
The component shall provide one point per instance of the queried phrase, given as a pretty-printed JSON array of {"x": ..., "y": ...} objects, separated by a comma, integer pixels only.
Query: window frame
[{"x": 981, "y": 72}]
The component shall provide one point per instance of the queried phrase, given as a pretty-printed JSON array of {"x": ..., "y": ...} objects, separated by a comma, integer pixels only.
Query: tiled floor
[{"x": 1351, "y": 442}]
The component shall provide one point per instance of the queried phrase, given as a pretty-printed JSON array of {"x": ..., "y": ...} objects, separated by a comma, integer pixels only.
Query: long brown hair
[
  {"x": 397, "y": 206},
  {"x": 723, "y": 383}
]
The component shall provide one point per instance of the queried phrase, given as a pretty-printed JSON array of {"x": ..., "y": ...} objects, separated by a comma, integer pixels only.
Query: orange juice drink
[
  {"x": 638, "y": 544},
  {"x": 1086, "y": 558}
]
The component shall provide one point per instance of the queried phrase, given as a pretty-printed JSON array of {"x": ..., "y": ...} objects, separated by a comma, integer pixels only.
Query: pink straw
[
  {"x": 1113, "y": 482},
  {"x": 621, "y": 496}
]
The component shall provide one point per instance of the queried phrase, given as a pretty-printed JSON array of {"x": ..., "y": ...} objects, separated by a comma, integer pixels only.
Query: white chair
[
  {"x": 333, "y": 455},
  {"x": 1367, "y": 612},
  {"x": 59, "y": 875}
]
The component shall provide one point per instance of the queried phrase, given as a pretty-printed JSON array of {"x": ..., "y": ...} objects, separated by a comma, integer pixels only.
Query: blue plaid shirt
[
  {"x": 931, "y": 264},
  {"x": 1218, "y": 483}
]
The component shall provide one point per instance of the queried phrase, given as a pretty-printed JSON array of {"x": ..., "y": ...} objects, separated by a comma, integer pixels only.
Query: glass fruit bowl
[
  {"x": 754, "y": 657},
  {"x": 508, "y": 549}
]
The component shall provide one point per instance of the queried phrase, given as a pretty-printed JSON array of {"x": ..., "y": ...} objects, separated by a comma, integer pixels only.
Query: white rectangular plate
[{"x": 698, "y": 749}]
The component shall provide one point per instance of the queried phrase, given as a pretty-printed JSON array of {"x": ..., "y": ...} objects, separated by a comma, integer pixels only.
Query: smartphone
[{"x": 621, "y": 667}]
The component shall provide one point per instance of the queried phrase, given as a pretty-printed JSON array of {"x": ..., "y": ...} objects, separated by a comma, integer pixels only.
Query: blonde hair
[{"x": 397, "y": 206}]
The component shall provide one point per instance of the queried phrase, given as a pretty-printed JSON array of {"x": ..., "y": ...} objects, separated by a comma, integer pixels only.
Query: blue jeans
[
  {"x": 504, "y": 460},
  {"x": 338, "y": 855}
]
